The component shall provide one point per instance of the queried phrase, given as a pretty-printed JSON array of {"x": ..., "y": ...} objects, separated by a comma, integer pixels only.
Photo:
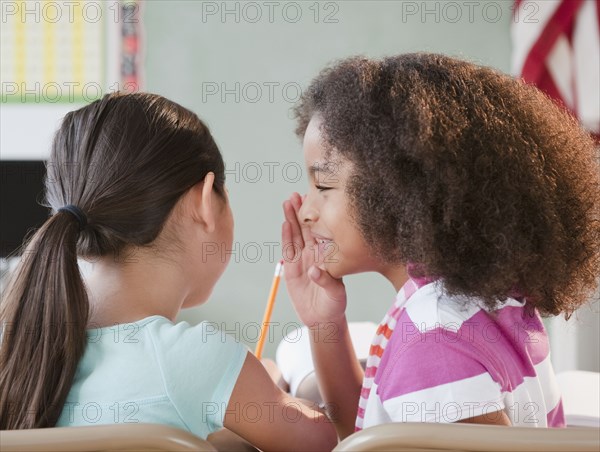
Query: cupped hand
[{"x": 317, "y": 297}]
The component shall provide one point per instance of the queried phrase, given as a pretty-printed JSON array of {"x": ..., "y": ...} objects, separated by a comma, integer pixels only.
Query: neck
[
  {"x": 396, "y": 274},
  {"x": 123, "y": 293}
]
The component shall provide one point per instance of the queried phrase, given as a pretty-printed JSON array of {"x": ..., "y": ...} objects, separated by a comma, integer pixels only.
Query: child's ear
[{"x": 203, "y": 203}]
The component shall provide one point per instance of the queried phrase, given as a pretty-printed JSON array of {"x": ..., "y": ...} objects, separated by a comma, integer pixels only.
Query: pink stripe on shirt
[
  {"x": 495, "y": 350},
  {"x": 500, "y": 347},
  {"x": 556, "y": 417}
]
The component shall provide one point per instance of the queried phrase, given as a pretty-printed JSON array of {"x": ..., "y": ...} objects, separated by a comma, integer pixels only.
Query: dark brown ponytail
[
  {"x": 124, "y": 160},
  {"x": 44, "y": 315}
]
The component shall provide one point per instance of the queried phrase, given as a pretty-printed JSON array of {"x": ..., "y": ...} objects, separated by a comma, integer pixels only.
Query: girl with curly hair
[{"x": 478, "y": 198}]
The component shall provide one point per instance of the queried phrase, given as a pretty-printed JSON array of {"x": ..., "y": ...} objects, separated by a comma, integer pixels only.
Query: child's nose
[{"x": 308, "y": 213}]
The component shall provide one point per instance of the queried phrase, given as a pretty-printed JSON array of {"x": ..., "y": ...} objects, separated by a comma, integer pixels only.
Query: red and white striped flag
[{"x": 556, "y": 46}]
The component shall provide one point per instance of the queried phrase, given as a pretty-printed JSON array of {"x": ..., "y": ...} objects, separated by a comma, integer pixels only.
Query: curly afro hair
[{"x": 478, "y": 177}]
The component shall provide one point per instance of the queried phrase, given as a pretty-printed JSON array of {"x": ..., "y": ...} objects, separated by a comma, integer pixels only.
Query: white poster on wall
[{"x": 57, "y": 57}]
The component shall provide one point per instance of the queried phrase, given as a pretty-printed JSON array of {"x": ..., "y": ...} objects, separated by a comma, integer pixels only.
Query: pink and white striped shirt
[{"x": 437, "y": 358}]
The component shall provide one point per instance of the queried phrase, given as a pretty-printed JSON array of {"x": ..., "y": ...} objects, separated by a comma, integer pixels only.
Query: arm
[
  {"x": 320, "y": 302},
  {"x": 275, "y": 374},
  {"x": 270, "y": 419},
  {"x": 339, "y": 373}
]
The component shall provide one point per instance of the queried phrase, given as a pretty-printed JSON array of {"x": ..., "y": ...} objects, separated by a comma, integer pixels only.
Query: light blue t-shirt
[{"x": 155, "y": 371}]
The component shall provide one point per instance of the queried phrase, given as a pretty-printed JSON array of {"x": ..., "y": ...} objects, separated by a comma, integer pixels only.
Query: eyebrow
[
  {"x": 317, "y": 167},
  {"x": 326, "y": 172}
]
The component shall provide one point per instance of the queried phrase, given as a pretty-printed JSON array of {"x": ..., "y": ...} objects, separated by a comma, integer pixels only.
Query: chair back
[
  {"x": 110, "y": 437},
  {"x": 411, "y": 436}
]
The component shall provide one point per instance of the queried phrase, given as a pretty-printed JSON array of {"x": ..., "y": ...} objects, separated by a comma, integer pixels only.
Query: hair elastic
[{"x": 78, "y": 213}]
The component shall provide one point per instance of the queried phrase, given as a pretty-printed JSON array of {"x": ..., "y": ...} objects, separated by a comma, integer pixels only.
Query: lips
[
  {"x": 324, "y": 249},
  {"x": 320, "y": 239}
]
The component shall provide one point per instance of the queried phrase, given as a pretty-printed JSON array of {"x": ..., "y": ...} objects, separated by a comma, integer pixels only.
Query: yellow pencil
[{"x": 269, "y": 309}]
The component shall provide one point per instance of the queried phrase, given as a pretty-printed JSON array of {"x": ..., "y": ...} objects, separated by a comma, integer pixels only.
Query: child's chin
[{"x": 334, "y": 269}]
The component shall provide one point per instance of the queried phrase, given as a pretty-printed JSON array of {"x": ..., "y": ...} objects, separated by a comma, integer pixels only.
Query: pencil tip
[{"x": 279, "y": 268}]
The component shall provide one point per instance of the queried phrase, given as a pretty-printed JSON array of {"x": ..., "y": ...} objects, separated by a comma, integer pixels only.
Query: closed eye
[{"x": 321, "y": 188}]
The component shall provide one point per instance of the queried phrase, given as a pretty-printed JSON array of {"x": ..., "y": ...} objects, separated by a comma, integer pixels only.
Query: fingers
[
  {"x": 292, "y": 253},
  {"x": 296, "y": 201},
  {"x": 334, "y": 288},
  {"x": 292, "y": 219}
]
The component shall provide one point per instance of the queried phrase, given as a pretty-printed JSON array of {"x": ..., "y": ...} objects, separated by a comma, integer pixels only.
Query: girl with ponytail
[{"x": 136, "y": 185}]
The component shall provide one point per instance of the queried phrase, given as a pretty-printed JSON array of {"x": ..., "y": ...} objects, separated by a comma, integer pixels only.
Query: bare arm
[
  {"x": 270, "y": 419},
  {"x": 275, "y": 374},
  {"x": 339, "y": 373},
  {"x": 320, "y": 302}
]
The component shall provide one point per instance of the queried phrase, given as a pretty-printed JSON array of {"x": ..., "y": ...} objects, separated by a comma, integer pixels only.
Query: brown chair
[
  {"x": 102, "y": 438},
  {"x": 470, "y": 437}
]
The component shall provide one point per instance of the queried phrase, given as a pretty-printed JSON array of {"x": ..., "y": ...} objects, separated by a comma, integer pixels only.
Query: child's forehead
[{"x": 319, "y": 157}]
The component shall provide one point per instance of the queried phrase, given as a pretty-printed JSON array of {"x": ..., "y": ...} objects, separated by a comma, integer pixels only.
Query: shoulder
[
  {"x": 452, "y": 338},
  {"x": 181, "y": 347},
  {"x": 200, "y": 365},
  {"x": 182, "y": 333},
  {"x": 431, "y": 308}
]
